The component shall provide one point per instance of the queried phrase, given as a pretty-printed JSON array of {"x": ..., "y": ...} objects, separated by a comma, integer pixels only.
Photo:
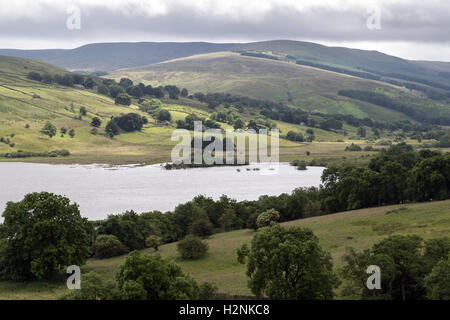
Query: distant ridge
[{"x": 109, "y": 57}]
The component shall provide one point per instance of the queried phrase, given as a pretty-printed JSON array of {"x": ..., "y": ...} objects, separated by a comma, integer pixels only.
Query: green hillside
[
  {"x": 358, "y": 229},
  {"x": 305, "y": 87},
  {"x": 22, "y": 117}
]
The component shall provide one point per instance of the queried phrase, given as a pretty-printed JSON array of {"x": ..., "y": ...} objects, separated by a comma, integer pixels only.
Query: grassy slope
[
  {"x": 310, "y": 88},
  {"x": 152, "y": 144},
  {"x": 358, "y": 229}
]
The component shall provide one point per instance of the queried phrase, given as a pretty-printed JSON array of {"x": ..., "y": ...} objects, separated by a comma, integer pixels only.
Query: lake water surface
[{"x": 101, "y": 190}]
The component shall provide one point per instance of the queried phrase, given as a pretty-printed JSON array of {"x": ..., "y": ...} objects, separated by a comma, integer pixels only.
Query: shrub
[
  {"x": 94, "y": 288},
  {"x": 192, "y": 247},
  {"x": 107, "y": 245},
  {"x": 353, "y": 147}
]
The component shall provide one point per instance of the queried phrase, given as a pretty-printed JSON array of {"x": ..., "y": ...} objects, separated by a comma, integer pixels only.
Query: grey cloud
[{"x": 400, "y": 22}]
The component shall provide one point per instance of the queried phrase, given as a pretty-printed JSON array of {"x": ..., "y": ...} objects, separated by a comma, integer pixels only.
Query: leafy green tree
[
  {"x": 83, "y": 111},
  {"x": 125, "y": 83},
  {"x": 228, "y": 220},
  {"x": 107, "y": 245},
  {"x": 192, "y": 247},
  {"x": 96, "y": 122},
  {"x": 163, "y": 115},
  {"x": 362, "y": 132},
  {"x": 63, "y": 131},
  {"x": 115, "y": 90},
  {"x": 129, "y": 122},
  {"x": 41, "y": 235},
  {"x": 33, "y": 75},
  {"x": 102, "y": 89},
  {"x": 437, "y": 283},
  {"x": 123, "y": 99},
  {"x": 49, "y": 129},
  {"x": 431, "y": 178},
  {"x": 267, "y": 218},
  {"x": 152, "y": 277},
  {"x": 127, "y": 227},
  {"x": 201, "y": 227},
  {"x": 153, "y": 241},
  {"x": 184, "y": 92},
  {"x": 238, "y": 124},
  {"x": 47, "y": 78},
  {"x": 402, "y": 265},
  {"x": 288, "y": 263},
  {"x": 72, "y": 133},
  {"x": 112, "y": 128}
]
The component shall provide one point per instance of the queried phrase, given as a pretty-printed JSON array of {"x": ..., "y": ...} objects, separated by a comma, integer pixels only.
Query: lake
[{"x": 100, "y": 190}]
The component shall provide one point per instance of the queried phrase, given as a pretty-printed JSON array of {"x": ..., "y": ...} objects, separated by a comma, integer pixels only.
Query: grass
[{"x": 359, "y": 229}]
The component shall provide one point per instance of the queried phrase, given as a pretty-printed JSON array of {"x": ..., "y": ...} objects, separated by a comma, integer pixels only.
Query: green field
[{"x": 359, "y": 229}]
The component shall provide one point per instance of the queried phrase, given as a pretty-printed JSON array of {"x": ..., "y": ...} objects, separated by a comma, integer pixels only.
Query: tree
[
  {"x": 96, "y": 122},
  {"x": 201, "y": 227},
  {"x": 125, "y": 83},
  {"x": 129, "y": 122},
  {"x": 267, "y": 218},
  {"x": 239, "y": 124},
  {"x": 47, "y": 78},
  {"x": 401, "y": 261},
  {"x": 163, "y": 115},
  {"x": 153, "y": 241},
  {"x": 63, "y": 131},
  {"x": 127, "y": 227},
  {"x": 41, "y": 235},
  {"x": 362, "y": 132},
  {"x": 288, "y": 263},
  {"x": 192, "y": 247},
  {"x": 83, "y": 111},
  {"x": 437, "y": 283},
  {"x": 33, "y": 75},
  {"x": 112, "y": 128},
  {"x": 115, "y": 90},
  {"x": 184, "y": 92},
  {"x": 123, "y": 99},
  {"x": 49, "y": 129},
  {"x": 152, "y": 277},
  {"x": 102, "y": 89},
  {"x": 72, "y": 133},
  {"x": 107, "y": 245}
]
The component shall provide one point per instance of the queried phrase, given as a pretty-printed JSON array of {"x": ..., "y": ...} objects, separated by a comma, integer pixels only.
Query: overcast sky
[{"x": 406, "y": 28}]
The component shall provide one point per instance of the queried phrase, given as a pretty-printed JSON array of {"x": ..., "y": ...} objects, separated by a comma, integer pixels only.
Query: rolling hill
[
  {"x": 306, "y": 87},
  {"x": 23, "y": 115}
]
